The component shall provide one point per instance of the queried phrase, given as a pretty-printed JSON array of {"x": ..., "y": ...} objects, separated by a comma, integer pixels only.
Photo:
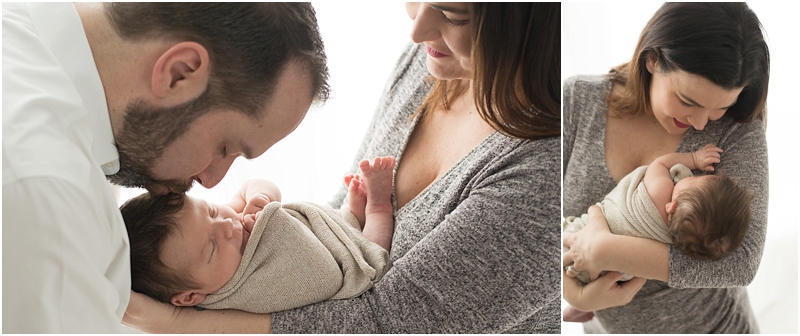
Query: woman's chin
[{"x": 442, "y": 71}]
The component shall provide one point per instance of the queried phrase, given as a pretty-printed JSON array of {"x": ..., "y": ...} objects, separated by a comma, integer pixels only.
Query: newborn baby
[
  {"x": 706, "y": 216},
  {"x": 257, "y": 255}
]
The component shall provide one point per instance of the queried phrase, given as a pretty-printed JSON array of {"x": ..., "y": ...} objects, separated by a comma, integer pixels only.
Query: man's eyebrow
[
  {"x": 247, "y": 152},
  {"x": 449, "y": 9}
]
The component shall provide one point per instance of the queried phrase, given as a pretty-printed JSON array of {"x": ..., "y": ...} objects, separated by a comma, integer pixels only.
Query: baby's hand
[
  {"x": 256, "y": 203},
  {"x": 704, "y": 157},
  {"x": 249, "y": 221}
]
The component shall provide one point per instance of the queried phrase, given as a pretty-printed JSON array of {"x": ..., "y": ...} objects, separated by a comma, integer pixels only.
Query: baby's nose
[{"x": 229, "y": 228}]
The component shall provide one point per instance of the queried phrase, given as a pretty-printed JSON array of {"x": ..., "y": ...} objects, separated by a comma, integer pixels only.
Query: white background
[{"x": 597, "y": 36}]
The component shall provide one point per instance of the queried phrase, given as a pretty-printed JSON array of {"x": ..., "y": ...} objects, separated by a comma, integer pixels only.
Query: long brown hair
[
  {"x": 516, "y": 69},
  {"x": 722, "y": 42}
]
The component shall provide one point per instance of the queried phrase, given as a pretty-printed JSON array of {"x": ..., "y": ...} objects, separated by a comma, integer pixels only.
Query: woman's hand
[
  {"x": 148, "y": 315},
  {"x": 602, "y": 293},
  {"x": 583, "y": 245}
]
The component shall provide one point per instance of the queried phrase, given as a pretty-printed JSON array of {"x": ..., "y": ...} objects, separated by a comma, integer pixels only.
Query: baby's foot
[
  {"x": 356, "y": 197},
  {"x": 378, "y": 183}
]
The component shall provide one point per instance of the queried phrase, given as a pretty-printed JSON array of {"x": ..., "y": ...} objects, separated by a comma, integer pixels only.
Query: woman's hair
[
  {"x": 722, "y": 42},
  {"x": 711, "y": 219},
  {"x": 150, "y": 220},
  {"x": 516, "y": 69}
]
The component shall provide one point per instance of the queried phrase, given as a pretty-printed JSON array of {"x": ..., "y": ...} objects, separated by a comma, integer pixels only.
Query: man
[{"x": 152, "y": 95}]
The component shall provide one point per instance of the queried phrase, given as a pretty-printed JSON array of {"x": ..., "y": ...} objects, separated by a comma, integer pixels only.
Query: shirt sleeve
[
  {"x": 744, "y": 158},
  {"x": 491, "y": 265},
  {"x": 54, "y": 273}
]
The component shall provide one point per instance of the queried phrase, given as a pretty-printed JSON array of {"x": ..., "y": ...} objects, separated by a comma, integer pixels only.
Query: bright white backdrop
[
  {"x": 597, "y": 36},
  {"x": 363, "y": 41}
]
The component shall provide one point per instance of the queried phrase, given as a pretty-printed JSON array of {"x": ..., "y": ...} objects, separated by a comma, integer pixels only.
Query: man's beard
[{"x": 146, "y": 133}]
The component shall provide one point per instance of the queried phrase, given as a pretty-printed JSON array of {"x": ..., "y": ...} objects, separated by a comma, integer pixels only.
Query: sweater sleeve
[
  {"x": 567, "y": 126},
  {"x": 744, "y": 159},
  {"x": 490, "y": 266}
]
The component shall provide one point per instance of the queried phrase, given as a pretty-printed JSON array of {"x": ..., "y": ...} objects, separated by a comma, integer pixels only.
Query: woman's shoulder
[
  {"x": 587, "y": 83},
  {"x": 507, "y": 154}
]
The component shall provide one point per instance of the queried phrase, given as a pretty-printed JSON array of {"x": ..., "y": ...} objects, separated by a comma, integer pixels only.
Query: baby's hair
[
  {"x": 711, "y": 219},
  {"x": 150, "y": 220}
]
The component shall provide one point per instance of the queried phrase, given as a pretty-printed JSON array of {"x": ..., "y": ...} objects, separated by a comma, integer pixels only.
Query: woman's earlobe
[{"x": 650, "y": 62}]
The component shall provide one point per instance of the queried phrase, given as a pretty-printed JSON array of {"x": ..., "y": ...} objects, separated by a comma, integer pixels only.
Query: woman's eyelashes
[
  {"x": 453, "y": 22},
  {"x": 685, "y": 103}
]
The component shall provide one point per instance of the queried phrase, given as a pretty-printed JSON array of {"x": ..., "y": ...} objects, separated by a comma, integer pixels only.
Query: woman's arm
[
  {"x": 745, "y": 159},
  {"x": 596, "y": 249},
  {"x": 151, "y": 316}
]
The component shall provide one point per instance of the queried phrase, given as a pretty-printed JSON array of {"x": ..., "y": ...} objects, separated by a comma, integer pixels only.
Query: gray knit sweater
[
  {"x": 701, "y": 296},
  {"x": 476, "y": 251}
]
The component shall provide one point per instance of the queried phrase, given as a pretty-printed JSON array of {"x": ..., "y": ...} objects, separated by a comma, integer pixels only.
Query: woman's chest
[
  {"x": 634, "y": 142},
  {"x": 436, "y": 145}
]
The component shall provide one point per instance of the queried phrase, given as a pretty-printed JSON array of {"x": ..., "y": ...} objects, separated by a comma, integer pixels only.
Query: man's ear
[
  {"x": 188, "y": 298},
  {"x": 180, "y": 73}
]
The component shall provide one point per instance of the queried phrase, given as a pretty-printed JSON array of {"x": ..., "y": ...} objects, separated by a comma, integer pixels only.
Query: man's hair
[
  {"x": 248, "y": 43},
  {"x": 516, "y": 69},
  {"x": 150, "y": 220},
  {"x": 249, "y": 46},
  {"x": 712, "y": 218},
  {"x": 722, "y": 42}
]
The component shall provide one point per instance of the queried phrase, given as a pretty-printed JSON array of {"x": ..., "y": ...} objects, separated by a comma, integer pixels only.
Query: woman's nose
[
  {"x": 698, "y": 119},
  {"x": 423, "y": 28}
]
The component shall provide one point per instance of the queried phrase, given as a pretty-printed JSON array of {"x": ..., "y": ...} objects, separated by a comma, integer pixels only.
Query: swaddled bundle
[
  {"x": 298, "y": 254},
  {"x": 629, "y": 211}
]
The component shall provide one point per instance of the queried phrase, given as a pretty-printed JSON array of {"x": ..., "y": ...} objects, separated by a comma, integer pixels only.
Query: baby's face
[{"x": 208, "y": 244}]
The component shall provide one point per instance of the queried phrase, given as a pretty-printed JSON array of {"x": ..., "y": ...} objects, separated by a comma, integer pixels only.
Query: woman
[
  {"x": 476, "y": 193},
  {"x": 699, "y": 75}
]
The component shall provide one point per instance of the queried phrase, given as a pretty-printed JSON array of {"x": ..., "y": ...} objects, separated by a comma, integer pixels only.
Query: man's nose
[{"x": 214, "y": 173}]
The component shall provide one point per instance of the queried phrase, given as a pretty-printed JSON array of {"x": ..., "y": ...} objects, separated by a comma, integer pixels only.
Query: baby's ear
[
  {"x": 671, "y": 206},
  {"x": 188, "y": 298}
]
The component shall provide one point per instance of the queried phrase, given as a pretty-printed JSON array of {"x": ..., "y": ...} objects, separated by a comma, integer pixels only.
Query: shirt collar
[{"x": 60, "y": 28}]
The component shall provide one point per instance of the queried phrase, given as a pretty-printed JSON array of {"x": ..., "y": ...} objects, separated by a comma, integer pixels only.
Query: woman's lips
[
  {"x": 680, "y": 124},
  {"x": 435, "y": 53}
]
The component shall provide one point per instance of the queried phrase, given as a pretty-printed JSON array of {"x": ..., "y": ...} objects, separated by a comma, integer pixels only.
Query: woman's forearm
[
  {"x": 221, "y": 321},
  {"x": 175, "y": 320},
  {"x": 641, "y": 257}
]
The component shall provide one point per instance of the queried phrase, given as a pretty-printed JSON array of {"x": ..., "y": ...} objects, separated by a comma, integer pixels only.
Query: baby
[
  {"x": 706, "y": 216},
  {"x": 257, "y": 255}
]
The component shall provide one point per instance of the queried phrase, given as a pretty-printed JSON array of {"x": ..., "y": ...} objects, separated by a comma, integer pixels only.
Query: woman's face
[
  {"x": 681, "y": 100},
  {"x": 446, "y": 30}
]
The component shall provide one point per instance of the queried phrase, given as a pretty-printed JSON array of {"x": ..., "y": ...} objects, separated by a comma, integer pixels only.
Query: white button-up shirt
[{"x": 66, "y": 264}]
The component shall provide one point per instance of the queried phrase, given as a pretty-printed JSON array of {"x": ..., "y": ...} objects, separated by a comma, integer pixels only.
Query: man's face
[{"x": 151, "y": 158}]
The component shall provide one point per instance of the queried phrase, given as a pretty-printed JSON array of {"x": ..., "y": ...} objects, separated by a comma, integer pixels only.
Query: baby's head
[
  {"x": 182, "y": 248},
  {"x": 709, "y": 216}
]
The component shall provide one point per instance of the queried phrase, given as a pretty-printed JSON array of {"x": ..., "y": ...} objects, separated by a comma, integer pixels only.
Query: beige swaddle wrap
[
  {"x": 629, "y": 211},
  {"x": 298, "y": 254}
]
